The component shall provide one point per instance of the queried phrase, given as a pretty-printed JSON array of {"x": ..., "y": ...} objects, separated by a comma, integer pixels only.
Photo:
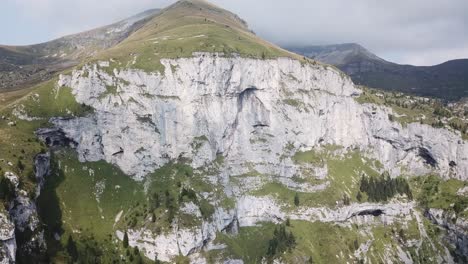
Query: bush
[{"x": 296, "y": 199}]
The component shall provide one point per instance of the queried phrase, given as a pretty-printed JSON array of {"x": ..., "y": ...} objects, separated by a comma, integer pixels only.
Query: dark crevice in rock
[
  {"x": 389, "y": 141},
  {"x": 232, "y": 227},
  {"x": 375, "y": 212},
  {"x": 427, "y": 156},
  {"x": 148, "y": 120},
  {"x": 121, "y": 151},
  {"x": 29, "y": 231},
  {"x": 261, "y": 125},
  {"x": 243, "y": 96}
]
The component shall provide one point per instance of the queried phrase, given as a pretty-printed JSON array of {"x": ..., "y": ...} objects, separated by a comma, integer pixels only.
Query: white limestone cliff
[
  {"x": 251, "y": 111},
  {"x": 7, "y": 239},
  {"x": 247, "y": 109}
]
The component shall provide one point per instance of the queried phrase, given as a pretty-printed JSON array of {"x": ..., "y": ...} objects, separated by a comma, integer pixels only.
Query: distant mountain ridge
[
  {"x": 448, "y": 80},
  {"x": 24, "y": 65}
]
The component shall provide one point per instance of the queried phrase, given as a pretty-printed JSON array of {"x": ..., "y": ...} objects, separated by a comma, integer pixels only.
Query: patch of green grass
[
  {"x": 250, "y": 245},
  {"x": 312, "y": 156},
  {"x": 110, "y": 90},
  {"x": 198, "y": 142},
  {"x": 83, "y": 200},
  {"x": 18, "y": 144},
  {"x": 343, "y": 174},
  {"x": 434, "y": 192},
  {"x": 47, "y": 101},
  {"x": 91, "y": 190},
  {"x": 323, "y": 243}
]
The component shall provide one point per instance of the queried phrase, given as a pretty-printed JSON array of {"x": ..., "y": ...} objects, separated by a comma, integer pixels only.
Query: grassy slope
[
  {"x": 329, "y": 243},
  {"x": 187, "y": 27},
  {"x": 84, "y": 199},
  {"x": 18, "y": 143}
]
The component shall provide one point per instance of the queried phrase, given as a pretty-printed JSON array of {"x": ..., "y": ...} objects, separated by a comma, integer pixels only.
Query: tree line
[{"x": 382, "y": 188}]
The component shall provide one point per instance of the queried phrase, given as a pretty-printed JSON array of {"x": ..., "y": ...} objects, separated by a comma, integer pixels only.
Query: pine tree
[
  {"x": 20, "y": 165},
  {"x": 125, "y": 240},
  {"x": 156, "y": 201},
  {"x": 71, "y": 249},
  {"x": 359, "y": 196},
  {"x": 136, "y": 251}
]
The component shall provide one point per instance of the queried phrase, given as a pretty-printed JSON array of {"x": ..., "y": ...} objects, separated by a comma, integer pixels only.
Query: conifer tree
[{"x": 125, "y": 240}]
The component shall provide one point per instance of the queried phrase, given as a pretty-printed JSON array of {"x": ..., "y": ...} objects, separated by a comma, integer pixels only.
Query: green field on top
[{"x": 185, "y": 28}]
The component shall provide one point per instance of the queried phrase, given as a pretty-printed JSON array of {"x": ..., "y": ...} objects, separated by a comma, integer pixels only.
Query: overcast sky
[{"x": 420, "y": 32}]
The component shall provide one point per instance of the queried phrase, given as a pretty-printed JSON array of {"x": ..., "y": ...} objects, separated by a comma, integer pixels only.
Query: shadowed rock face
[
  {"x": 21, "y": 232},
  {"x": 54, "y": 137},
  {"x": 458, "y": 230}
]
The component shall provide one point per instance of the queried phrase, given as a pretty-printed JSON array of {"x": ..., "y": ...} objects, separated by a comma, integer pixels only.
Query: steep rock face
[
  {"x": 7, "y": 239},
  {"x": 246, "y": 109},
  {"x": 24, "y": 228},
  {"x": 457, "y": 227},
  {"x": 255, "y": 113}
]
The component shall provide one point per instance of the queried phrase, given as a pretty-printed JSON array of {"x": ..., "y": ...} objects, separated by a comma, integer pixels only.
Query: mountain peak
[
  {"x": 201, "y": 8},
  {"x": 186, "y": 27},
  {"x": 338, "y": 54}
]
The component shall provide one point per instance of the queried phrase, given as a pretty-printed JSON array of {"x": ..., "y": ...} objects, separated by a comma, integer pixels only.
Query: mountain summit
[{"x": 192, "y": 140}]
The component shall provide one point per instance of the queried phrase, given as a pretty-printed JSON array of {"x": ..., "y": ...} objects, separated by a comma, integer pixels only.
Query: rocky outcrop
[
  {"x": 7, "y": 239},
  {"x": 24, "y": 236},
  {"x": 179, "y": 240},
  {"x": 251, "y": 211},
  {"x": 246, "y": 109},
  {"x": 457, "y": 229}
]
